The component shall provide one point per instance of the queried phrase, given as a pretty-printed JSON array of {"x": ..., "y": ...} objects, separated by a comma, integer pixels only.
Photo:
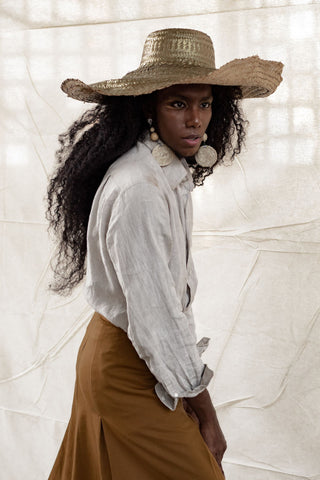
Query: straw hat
[{"x": 182, "y": 56}]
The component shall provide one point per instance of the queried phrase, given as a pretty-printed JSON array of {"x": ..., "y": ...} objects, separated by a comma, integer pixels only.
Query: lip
[{"x": 192, "y": 140}]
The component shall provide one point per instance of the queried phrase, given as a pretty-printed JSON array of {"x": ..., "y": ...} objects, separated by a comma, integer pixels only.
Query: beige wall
[{"x": 256, "y": 235}]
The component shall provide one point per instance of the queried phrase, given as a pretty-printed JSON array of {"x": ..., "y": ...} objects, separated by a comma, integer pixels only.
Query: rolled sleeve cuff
[
  {"x": 202, "y": 345},
  {"x": 172, "y": 401}
]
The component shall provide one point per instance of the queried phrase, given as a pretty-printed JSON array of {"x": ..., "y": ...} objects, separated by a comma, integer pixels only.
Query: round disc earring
[{"x": 206, "y": 155}]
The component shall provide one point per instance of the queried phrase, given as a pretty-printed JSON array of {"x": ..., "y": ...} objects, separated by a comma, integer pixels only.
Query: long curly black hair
[{"x": 93, "y": 143}]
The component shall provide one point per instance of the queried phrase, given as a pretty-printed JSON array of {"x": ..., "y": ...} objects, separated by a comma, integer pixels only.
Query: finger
[
  {"x": 218, "y": 456},
  {"x": 220, "y": 466},
  {"x": 220, "y": 453}
]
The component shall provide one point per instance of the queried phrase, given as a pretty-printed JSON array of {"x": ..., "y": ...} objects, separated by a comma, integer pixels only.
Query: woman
[{"x": 121, "y": 199}]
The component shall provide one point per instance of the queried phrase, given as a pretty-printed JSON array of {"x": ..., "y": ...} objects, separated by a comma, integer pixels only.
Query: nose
[{"x": 193, "y": 118}]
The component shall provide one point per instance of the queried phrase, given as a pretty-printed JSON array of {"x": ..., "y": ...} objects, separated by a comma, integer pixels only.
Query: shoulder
[
  {"x": 136, "y": 167},
  {"x": 133, "y": 178}
]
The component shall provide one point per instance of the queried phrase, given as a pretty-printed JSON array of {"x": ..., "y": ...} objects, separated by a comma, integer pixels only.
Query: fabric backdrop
[{"x": 256, "y": 232}]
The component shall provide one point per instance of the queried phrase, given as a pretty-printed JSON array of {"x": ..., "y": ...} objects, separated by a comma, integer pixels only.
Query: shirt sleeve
[{"x": 139, "y": 245}]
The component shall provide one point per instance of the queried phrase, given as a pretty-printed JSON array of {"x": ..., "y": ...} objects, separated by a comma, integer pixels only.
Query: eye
[
  {"x": 206, "y": 104},
  {"x": 178, "y": 104}
]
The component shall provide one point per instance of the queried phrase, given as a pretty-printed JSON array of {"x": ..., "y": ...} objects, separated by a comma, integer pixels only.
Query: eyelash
[
  {"x": 179, "y": 104},
  {"x": 208, "y": 104}
]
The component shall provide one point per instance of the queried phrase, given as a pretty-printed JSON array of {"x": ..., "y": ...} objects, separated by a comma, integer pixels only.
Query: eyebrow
[{"x": 182, "y": 97}]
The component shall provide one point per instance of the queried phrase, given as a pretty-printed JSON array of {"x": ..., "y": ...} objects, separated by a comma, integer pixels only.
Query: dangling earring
[
  {"x": 206, "y": 155},
  {"x": 153, "y": 134},
  {"x": 161, "y": 152}
]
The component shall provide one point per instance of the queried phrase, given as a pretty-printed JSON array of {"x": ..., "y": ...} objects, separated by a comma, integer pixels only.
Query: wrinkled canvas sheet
[{"x": 256, "y": 232}]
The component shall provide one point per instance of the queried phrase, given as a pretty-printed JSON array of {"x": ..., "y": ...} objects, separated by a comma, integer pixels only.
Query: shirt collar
[{"x": 177, "y": 172}]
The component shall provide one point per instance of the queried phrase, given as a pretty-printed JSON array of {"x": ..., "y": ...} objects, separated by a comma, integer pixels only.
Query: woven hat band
[{"x": 178, "y": 47}]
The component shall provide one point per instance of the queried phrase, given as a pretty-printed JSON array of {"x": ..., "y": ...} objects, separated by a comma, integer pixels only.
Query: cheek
[
  {"x": 169, "y": 123},
  {"x": 208, "y": 117}
]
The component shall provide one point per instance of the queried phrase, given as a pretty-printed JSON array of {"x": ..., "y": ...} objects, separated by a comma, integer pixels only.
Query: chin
[
  {"x": 190, "y": 153},
  {"x": 185, "y": 152}
]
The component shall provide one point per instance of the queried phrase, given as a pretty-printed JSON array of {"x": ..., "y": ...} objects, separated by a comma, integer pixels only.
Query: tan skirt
[{"x": 119, "y": 429}]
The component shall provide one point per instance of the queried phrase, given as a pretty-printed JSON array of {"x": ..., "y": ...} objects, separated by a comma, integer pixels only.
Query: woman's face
[{"x": 183, "y": 113}]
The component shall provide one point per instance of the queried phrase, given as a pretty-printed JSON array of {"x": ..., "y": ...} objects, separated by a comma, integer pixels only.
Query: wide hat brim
[{"x": 182, "y": 56}]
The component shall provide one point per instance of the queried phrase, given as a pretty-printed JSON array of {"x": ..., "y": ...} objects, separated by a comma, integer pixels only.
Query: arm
[{"x": 139, "y": 243}]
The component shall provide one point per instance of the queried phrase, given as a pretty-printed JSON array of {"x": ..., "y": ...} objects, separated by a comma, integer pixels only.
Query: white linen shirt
[{"x": 140, "y": 273}]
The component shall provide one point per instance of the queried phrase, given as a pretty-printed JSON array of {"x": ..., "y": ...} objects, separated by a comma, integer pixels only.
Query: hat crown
[
  {"x": 178, "y": 46},
  {"x": 176, "y": 56}
]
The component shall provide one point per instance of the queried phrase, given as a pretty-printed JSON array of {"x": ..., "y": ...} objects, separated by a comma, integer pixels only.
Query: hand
[
  {"x": 208, "y": 422},
  {"x": 214, "y": 438}
]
